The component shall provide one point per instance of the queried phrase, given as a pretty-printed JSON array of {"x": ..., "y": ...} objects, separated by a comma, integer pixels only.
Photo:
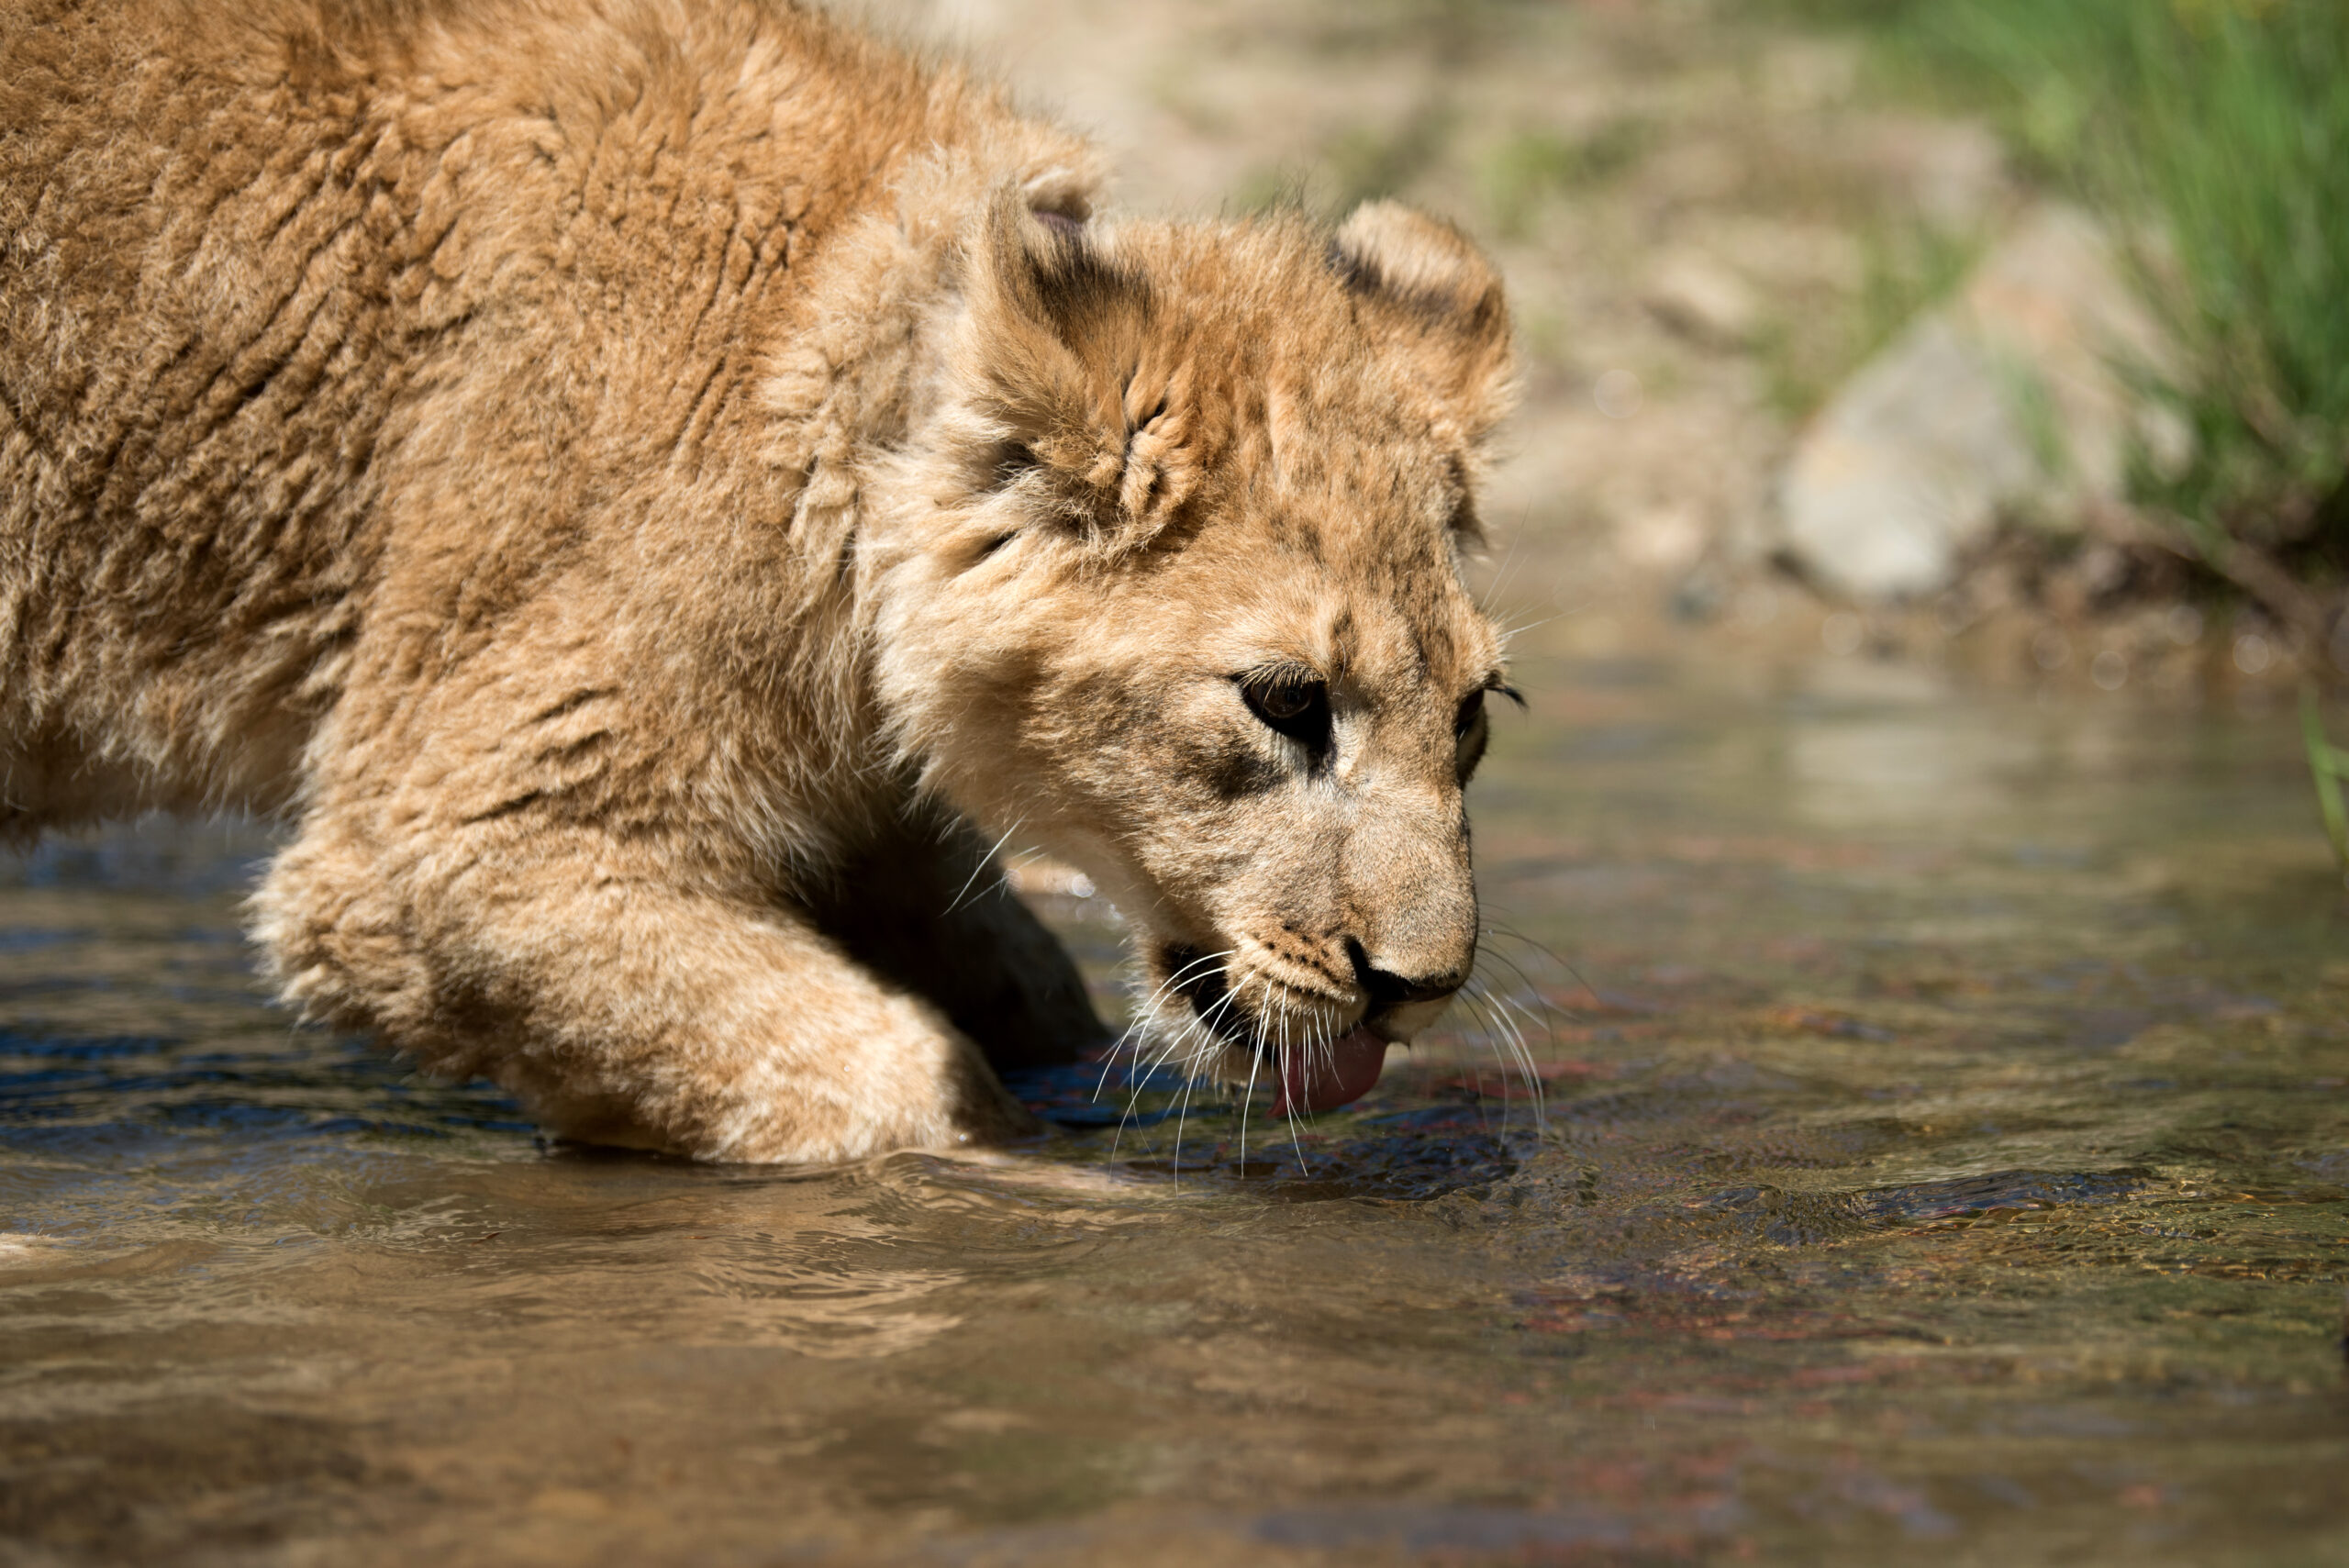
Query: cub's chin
[
  {"x": 1309, "y": 1063},
  {"x": 1313, "y": 1060}
]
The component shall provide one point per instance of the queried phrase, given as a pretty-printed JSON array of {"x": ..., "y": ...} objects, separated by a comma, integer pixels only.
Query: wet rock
[
  {"x": 1905, "y": 469},
  {"x": 1804, "y": 1218},
  {"x": 2007, "y": 401},
  {"x": 2053, "y": 312}
]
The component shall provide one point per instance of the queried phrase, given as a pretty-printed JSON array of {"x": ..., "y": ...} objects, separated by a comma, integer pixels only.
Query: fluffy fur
[{"x": 650, "y": 489}]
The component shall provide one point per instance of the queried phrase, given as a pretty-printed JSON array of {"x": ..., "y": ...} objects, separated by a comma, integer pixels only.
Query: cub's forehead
[
  {"x": 1355, "y": 582},
  {"x": 1384, "y": 501},
  {"x": 1351, "y": 540},
  {"x": 1326, "y": 421},
  {"x": 1330, "y": 431}
]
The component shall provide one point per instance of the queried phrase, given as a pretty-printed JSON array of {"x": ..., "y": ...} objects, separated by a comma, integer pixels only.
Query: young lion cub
[{"x": 649, "y": 490}]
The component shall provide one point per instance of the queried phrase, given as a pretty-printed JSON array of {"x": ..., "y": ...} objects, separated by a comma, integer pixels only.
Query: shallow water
[{"x": 1943, "y": 1152}]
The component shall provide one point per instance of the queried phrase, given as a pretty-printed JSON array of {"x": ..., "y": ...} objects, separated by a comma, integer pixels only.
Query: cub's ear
[
  {"x": 1423, "y": 283},
  {"x": 1058, "y": 358}
]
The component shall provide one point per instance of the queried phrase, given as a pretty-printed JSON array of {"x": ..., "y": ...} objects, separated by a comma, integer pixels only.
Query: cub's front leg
[{"x": 622, "y": 1003}]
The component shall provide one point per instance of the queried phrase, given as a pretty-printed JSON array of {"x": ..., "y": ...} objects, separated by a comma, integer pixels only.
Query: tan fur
[{"x": 636, "y": 485}]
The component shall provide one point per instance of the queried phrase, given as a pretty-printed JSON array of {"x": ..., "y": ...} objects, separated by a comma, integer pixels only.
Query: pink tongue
[{"x": 1335, "y": 1075}]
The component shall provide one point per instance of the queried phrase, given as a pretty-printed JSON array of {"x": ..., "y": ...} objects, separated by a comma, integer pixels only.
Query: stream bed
[{"x": 1930, "y": 1142}]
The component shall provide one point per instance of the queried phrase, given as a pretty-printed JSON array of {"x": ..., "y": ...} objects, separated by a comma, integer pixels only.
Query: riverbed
[{"x": 1896, "y": 1122}]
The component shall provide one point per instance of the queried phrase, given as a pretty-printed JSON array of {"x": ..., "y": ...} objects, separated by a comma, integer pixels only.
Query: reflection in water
[
  {"x": 840, "y": 1313},
  {"x": 1886, "y": 748},
  {"x": 1943, "y": 1138}
]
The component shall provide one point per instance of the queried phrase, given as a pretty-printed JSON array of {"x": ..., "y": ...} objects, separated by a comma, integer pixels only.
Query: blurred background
[{"x": 1994, "y": 336}]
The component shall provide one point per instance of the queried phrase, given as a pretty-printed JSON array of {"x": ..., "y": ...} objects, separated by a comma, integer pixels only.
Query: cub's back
[
  {"x": 185, "y": 417},
  {"x": 285, "y": 287}
]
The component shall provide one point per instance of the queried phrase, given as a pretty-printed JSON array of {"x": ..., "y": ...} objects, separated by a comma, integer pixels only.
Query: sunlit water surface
[{"x": 1940, "y": 1155}]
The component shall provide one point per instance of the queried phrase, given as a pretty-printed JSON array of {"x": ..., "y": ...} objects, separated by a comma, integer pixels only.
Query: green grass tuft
[
  {"x": 2217, "y": 131},
  {"x": 2225, "y": 123}
]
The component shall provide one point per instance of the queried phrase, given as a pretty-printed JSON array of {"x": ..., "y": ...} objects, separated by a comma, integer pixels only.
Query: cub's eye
[
  {"x": 1283, "y": 704},
  {"x": 1295, "y": 707},
  {"x": 1470, "y": 731}
]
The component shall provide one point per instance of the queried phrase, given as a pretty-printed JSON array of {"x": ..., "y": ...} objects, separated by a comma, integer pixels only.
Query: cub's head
[{"x": 1175, "y": 595}]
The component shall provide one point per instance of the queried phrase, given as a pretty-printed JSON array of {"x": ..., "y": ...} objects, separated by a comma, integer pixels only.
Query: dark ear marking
[
  {"x": 1357, "y": 275},
  {"x": 1405, "y": 260},
  {"x": 1075, "y": 283},
  {"x": 1059, "y": 341},
  {"x": 1429, "y": 310},
  {"x": 1421, "y": 285},
  {"x": 1012, "y": 458}
]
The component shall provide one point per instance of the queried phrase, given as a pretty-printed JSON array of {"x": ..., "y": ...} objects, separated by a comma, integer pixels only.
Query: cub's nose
[{"x": 1387, "y": 990}]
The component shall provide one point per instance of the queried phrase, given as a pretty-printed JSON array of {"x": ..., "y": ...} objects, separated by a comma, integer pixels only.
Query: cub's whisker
[
  {"x": 1248, "y": 1095},
  {"x": 1508, "y": 1038},
  {"x": 1195, "y": 1039},
  {"x": 1496, "y": 928},
  {"x": 986, "y": 862},
  {"x": 1149, "y": 1013}
]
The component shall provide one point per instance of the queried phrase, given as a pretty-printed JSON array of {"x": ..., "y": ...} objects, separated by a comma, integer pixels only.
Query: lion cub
[{"x": 649, "y": 490}]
